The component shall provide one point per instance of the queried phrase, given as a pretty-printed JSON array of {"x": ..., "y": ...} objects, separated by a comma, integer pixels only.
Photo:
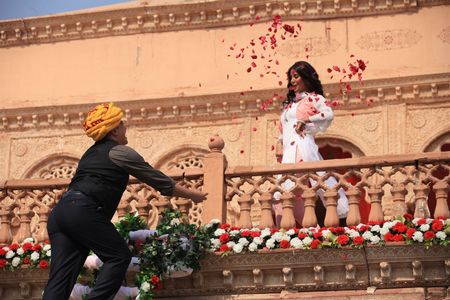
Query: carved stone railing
[{"x": 394, "y": 179}]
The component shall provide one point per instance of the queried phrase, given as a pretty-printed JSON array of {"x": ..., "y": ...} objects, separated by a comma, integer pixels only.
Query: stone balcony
[{"x": 243, "y": 196}]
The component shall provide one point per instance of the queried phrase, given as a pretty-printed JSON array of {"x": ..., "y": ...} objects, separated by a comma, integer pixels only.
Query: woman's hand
[{"x": 300, "y": 128}]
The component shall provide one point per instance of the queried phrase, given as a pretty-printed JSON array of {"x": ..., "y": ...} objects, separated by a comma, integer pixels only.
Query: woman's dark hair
[{"x": 309, "y": 77}]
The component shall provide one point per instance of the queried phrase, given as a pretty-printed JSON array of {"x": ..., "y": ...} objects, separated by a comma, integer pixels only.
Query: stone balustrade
[{"x": 26, "y": 203}]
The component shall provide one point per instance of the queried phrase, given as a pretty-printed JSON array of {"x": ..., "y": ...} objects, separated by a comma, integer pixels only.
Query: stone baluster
[
  {"x": 142, "y": 207},
  {"x": 309, "y": 218},
  {"x": 421, "y": 195},
  {"x": 24, "y": 231},
  {"x": 215, "y": 163},
  {"x": 287, "y": 217},
  {"x": 441, "y": 188},
  {"x": 331, "y": 217},
  {"x": 122, "y": 209},
  {"x": 376, "y": 211},
  {"x": 266, "y": 200},
  {"x": 245, "y": 202},
  {"x": 353, "y": 217},
  {"x": 43, "y": 213},
  {"x": 184, "y": 205},
  {"x": 398, "y": 198},
  {"x": 161, "y": 206},
  {"x": 5, "y": 226}
]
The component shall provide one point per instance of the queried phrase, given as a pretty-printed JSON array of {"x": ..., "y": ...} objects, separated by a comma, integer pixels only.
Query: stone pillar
[
  {"x": 441, "y": 210},
  {"x": 353, "y": 217},
  {"x": 215, "y": 163}
]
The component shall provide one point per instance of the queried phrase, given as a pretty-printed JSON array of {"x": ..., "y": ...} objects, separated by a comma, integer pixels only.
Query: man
[{"x": 81, "y": 221}]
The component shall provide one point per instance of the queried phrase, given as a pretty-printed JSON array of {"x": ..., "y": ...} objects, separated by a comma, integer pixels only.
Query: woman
[{"x": 305, "y": 113}]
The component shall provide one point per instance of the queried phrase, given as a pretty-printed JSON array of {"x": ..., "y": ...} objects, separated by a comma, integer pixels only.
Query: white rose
[
  {"x": 215, "y": 243},
  {"x": 15, "y": 262},
  {"x": 296, "y": 243},
  {"x": 384, "y": 230},
  {"x": 375, "y": 228},
  {"x": 34, "y": 256},
  {"x": 441, "y": 235},
  {"x": 252, "y": 247},
  {"x": 360, "y": 225},
  {"x": 231, "y": 244},
  {"x": 28, "y": 240},
  {"x": 174, "y": 222},
  {"x": 367, "y": 235},
  {"x": 243, "y": 242},
  {"x": 265, "y": 232},
  {"x": 429, "y": 220},
  {"x": 48, "y": 253},
  {"x": 9, "y": 254},
  {"x": 418, "y": 236},
  {"x": 424, "y": 227},
  {"x": 46, "y": 247},
  {"x": 352, "y": 233},
  {"x": 256, "y": 229},
  {"x": 290, "y": 232},
  {"x": 304, "y": 230},
  {"x": 20, "y": 251},
  {"x": 326, "y": 234},
  {"x": 277, "y": 236},
  {"x": 214, "y": 221},
  {"x": 258, "y": 240},
  {"x": 234, "y": 232},
  {"x": 415, "y": 220},
  {"x": 219, "y": 232},
  {"x": 270, "y": 243},
  {"x": 238, "y": 248},
  {"x": 145, "y": 287},
  {"x": 307, "y": 241},
  {"x": 375, "y": 240},
  {"x": 6, "y": 248}
]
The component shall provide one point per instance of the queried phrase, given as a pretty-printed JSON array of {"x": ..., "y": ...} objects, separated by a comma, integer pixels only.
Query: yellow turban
[{"x": 101, "y": 120}]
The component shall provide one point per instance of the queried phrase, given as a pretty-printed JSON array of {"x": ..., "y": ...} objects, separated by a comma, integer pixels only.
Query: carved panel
[
  {"x": 389, "y": 39},
  {"x": 56, "y": 166},
  {"x": 312, "y": 46},
  {"x": 445, "y": 35}
]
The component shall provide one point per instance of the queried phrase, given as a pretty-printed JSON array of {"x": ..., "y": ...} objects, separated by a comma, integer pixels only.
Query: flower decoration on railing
[
  {"x": 231, "y": 239},
  {"x": 28, "y": 253}
]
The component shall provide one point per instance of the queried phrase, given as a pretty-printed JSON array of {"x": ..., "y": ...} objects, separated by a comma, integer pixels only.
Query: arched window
[{"x": 53, "y": 166}]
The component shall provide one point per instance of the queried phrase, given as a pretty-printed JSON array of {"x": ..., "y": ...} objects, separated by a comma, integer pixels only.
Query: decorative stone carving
[
  {"x": 444, "y": 35},
  {"x": 388, "y": 39},
  {"x": 316, "y": 45}
]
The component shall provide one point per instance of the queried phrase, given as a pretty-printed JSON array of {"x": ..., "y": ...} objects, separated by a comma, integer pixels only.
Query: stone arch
[
  {"x": 437, "y": 142},
  {"x": 344, "y": 144},
  {"x": 185, "y": 156},
  {"x": 57, "y": 165}
]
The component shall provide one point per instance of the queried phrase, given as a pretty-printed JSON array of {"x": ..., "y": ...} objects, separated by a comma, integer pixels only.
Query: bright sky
[{"x": 15, "y": 9}]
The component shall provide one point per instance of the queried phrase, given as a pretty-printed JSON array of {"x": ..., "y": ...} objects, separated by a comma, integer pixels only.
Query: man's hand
[
  {"x": 198, "y": 196},
  {"x": 193, "y": 194},
  {"x": 300, "y": 128}
]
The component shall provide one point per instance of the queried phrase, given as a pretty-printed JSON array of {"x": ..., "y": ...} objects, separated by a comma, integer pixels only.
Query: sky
[{"x": 16, "y": 9}]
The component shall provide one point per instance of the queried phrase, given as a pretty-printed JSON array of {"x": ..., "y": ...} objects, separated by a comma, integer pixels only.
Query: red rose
[
  {"x": 2, "y": 252},
  {"x": 302, "y": 235},
  {"x": 410, "y": 232},
  {"x": 138, "y": 245},
  {"x": 398, "y": 238},
  {"x": 314, "y": 244},
  {"x": 317, "y": 234},
  {"x": 235, "y": 228},
  {"x": 27, "y": 246},
  {"x": 363, "y": 228},
  {"x": 273, "y": 230},
  {"x": 421, "y": 222},
  {"x": 154, "y": 279},
  {"x": 2, "y": 263},
  {"x": 429, "y": 235},
  {"x": 400, "y": 228},
  {"x": 14, "y": 246},
  {"x": 388, "y": 237},
  {"x": 43, "y": 264},
  {"x": 285, "y": 244},
  {"x": 255, "y": 234},
  {"x": 437, "y": 225},
  {"x": 245, "y": 233},
  {"x": 358, "y": 240},
  {"x": 224, "y": 248},
  {"x": 224, "y": 226},
  {"x": 343, "y": 239},
  {"x": 408, "y": 217},
  {"x": 37, "y": 247},
  {"x": 26, "y": 261},
  {"x": 224, "y": 237}
]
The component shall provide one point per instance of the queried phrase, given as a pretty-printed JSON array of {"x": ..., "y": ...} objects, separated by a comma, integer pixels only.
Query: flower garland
[{"x": 27, "y": 253}]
